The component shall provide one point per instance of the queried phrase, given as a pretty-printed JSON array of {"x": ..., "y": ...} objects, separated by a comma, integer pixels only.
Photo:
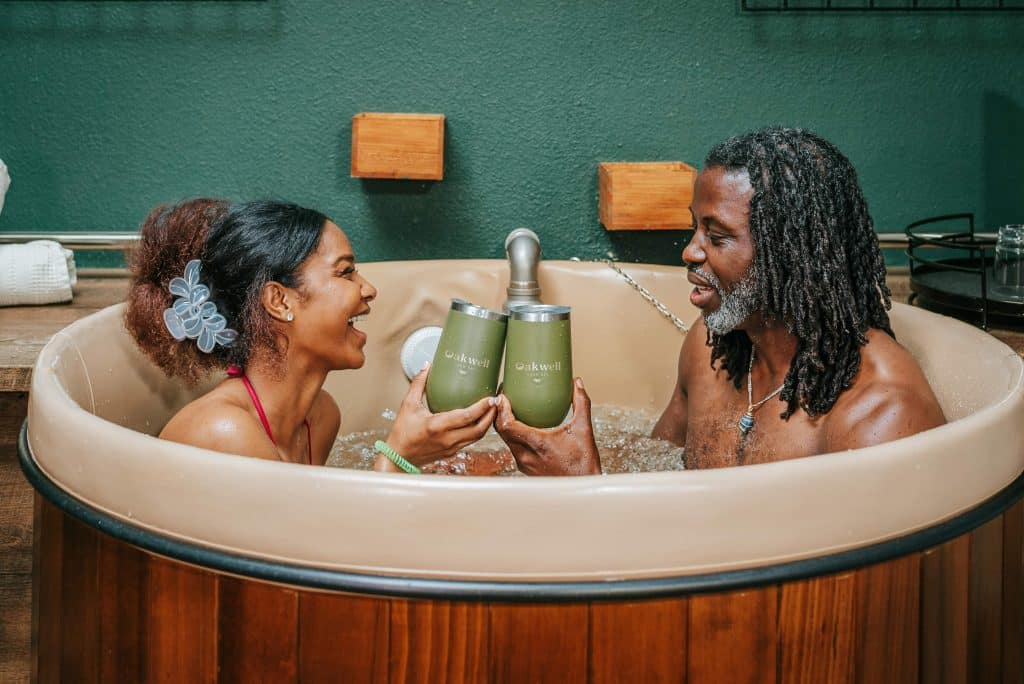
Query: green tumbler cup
[
  {"x": 538, "y": 364},
  {"x": 468, "y": 357}
]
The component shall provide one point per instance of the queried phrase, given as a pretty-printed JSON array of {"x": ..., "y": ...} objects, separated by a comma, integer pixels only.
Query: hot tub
[{"x": 892, "y": 563}]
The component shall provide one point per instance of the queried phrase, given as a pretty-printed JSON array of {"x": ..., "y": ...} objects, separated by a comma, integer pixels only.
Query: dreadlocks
[{"x": 819, "y": 267}]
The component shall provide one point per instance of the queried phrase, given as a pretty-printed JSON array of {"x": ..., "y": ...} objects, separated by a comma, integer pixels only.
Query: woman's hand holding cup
[{"x": 422, "y": 437}]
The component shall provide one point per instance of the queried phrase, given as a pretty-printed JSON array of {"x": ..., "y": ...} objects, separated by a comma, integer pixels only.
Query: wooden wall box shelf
[
  {"x": 403, "y": 146},
  {"x": 646, "y": 195}
]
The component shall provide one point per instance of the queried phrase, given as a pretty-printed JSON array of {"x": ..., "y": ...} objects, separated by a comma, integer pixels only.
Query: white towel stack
[{"x": 37, "y": 272}]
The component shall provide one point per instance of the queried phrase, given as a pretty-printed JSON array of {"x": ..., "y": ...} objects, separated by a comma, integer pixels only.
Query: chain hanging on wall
[
  {"x": 868, "y": 6},
  {"x": 650, "y": 298}
]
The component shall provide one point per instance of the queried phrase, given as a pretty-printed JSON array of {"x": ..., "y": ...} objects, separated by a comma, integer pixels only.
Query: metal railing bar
[
  {"x": 109, "y": 240},
  {"x": 127, "y": 239},
  {"x": 943, "y": 266},
  {"x": 982, "y": 239},
  {"x": 871, "y": 8},
  {"x": 975, "y": 246},
  {"x": 967, "y": 216}
]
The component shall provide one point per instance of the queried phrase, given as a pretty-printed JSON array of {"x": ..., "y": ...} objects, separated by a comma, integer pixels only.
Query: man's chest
[{"x": 714, "y": 438}]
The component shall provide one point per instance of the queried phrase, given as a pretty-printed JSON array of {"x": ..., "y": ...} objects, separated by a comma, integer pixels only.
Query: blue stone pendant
[{"x": 746, "y": 423}]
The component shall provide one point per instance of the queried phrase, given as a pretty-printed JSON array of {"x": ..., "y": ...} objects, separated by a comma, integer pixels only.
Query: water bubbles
[
  {"x": 388, "y": 414},
  {"x": 622, "y": 438}
]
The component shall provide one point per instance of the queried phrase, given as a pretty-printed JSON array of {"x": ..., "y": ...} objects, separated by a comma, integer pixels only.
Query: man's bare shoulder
[
  {"x": 695, "y": 354},
  {"x": 890, "y": 398},
  {"x": 218, "y": 421}
]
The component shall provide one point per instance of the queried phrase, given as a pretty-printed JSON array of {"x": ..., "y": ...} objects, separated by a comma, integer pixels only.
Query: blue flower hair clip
[{"x": 193, "y": 316}]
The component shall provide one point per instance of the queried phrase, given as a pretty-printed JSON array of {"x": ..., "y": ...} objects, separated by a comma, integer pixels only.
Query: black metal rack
[
  {"x": 871, "y": 6},
  {"x": 957, "y": 281}
]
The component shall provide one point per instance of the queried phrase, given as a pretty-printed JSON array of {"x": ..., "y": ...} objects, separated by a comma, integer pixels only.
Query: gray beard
[{"x": 737, "y": 305}]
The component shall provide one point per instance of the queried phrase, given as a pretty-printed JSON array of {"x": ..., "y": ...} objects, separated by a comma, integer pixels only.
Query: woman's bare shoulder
[
  {"x": 324, "y": 422},
  {"x": 219, "y": 422},
  {"x": 325, "y": 409}
]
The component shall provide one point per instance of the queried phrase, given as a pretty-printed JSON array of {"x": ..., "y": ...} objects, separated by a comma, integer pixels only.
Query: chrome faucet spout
[{"x": 523, "y": 249}]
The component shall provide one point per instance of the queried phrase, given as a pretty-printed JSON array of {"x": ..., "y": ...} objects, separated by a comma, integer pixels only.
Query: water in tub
[{"x": 623, "y": 438}]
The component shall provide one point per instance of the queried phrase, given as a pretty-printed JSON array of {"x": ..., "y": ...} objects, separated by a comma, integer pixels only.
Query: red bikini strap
[
  {"x": 236, "y": 372},
  {"x": 309, "y": 441}
]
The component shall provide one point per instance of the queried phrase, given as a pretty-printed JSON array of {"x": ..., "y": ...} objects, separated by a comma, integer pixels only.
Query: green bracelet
[{"x": 393, "y": 456}]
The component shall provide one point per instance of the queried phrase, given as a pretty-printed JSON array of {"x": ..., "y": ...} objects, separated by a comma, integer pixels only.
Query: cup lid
[
  {"x": 462, "y": 306},
  {"x": 538, "y": 313}
]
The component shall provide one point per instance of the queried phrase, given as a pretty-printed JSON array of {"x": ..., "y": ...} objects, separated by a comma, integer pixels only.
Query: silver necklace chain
[
  {"x": 751, "y": 406},
  {"x": 746, "y": 422},
  {"x": 651, "y": 299}
]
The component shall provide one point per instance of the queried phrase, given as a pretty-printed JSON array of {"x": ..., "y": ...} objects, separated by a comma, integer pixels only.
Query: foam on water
[{"x": 623, "y": 438}]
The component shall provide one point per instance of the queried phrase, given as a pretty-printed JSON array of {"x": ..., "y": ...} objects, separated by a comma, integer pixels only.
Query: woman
[{"x": 269, "y": 293}]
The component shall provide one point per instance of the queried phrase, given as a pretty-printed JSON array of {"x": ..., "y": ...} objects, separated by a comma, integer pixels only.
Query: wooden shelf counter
[{"x": 24, "y": 331}]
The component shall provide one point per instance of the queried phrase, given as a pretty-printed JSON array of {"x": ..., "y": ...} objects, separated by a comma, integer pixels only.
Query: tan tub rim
[
  {"x": 511, "y": 591},
  {"x": 90, "y": 434}
]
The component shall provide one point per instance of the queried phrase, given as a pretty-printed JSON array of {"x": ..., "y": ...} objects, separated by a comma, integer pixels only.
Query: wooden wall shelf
[
  {"x": 398, "y": 146},
  {"x": 646, "y": 195}
]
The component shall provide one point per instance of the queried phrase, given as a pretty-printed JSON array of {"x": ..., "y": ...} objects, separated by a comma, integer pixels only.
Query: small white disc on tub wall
[{"x": 419, "y": 349}]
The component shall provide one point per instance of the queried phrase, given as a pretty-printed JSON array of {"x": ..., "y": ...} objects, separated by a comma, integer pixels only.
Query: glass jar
[{"x": 1008, "y": 283}]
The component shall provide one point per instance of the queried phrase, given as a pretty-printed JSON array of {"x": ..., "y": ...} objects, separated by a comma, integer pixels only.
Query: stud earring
[{"x": 290, "y": 317}]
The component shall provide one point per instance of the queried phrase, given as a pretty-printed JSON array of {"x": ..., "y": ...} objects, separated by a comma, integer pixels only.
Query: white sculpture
[{"x": 5, "y": 182}]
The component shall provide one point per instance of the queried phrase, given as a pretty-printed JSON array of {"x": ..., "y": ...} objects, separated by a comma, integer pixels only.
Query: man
[{"x": 793, "y": 355}]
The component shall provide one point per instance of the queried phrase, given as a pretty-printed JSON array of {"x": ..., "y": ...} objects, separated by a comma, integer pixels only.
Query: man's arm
[{"x": 672, "y": 424}]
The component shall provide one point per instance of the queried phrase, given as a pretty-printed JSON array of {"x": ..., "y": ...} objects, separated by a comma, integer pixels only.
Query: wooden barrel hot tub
[{"x": 157, "y": 561}]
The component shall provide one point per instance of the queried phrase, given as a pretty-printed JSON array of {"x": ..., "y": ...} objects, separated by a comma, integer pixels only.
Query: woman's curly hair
[
  {"x": 241, "y": 247},
  {"x": 171, "y": 236},
  {"x": 820, "y": 269}
]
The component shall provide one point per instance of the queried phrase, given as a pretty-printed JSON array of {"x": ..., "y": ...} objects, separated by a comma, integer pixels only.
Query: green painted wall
[{"x": 109, "y": 108}]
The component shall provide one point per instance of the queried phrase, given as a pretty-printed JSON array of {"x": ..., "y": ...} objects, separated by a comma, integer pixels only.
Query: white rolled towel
[{"x": 37, "y": 272}]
